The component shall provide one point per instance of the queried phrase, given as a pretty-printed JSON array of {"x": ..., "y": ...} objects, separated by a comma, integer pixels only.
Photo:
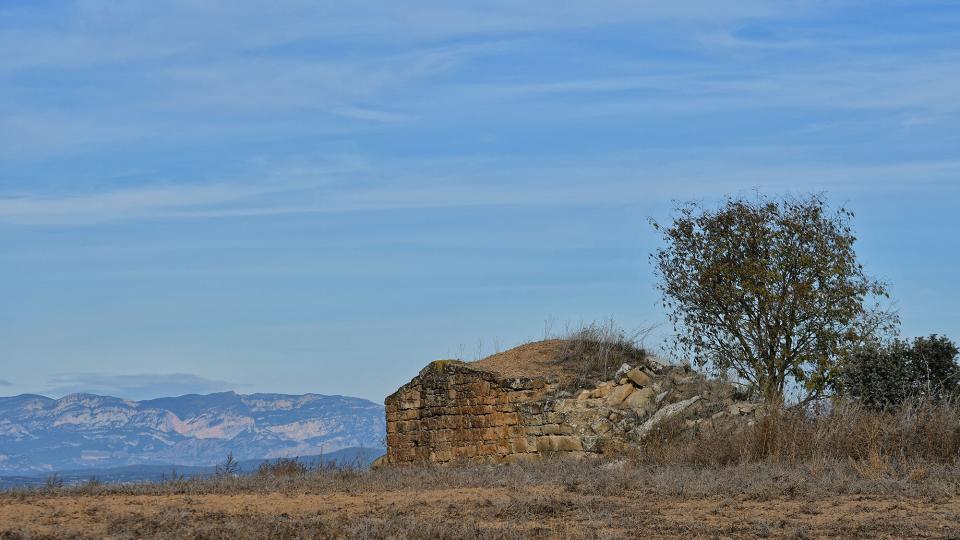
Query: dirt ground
[{"x": 543, "y": 511}]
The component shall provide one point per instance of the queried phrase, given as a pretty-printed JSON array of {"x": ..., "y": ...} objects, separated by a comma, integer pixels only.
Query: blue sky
[{"x": 323, "y": 196}]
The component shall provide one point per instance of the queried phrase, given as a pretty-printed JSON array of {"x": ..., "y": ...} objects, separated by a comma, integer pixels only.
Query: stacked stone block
[
  {"x": 451, "y": 411},
  {"x": 455, "y": 411}
]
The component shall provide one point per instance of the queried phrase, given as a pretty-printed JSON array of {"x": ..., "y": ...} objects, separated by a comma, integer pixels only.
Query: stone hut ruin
[{"x": 529, "y": 401}]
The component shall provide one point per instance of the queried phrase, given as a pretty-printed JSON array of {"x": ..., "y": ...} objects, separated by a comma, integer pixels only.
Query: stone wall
[
  {"x": 460, "y": 411},
  {"x": 452, "y": 411}
]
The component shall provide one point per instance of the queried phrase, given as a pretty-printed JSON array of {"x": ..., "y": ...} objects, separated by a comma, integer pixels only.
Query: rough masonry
[{"x": 517, "y": 405}]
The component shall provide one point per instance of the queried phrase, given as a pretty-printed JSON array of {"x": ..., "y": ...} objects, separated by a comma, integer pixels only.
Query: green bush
[{"x": 886, "y": 376}]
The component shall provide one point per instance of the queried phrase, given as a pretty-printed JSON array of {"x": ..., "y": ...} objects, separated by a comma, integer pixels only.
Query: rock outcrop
[{"x": 518, "y": 405}]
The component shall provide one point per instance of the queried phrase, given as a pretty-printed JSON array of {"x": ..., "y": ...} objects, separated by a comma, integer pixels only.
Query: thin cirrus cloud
[
  {"x": 177, "y": 82},
  {"x": 611, "y": 179},
  {"x": 185, "y": 59},
  {"x": 134, "y": 386},
  {"x": 123, "y": 204},
  {"x": 222, "y": 99},
  {"x": 158, "y": 29}
]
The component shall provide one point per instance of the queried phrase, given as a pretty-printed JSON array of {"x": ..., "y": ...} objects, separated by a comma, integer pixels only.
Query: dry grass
[
  {"x": 596, "y": 351},
  {"x": 551, "y": 498},
  {"x": 759, "y": 480},
  {"x": 916, "y": 435},
  {"x": 282, "y": 467},
  {"x": 852, "y": 473},
  {"x": 579, "y": 358}
]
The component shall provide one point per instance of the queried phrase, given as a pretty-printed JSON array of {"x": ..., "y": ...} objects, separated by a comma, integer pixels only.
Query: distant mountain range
[{"x": 85, "y": 432}]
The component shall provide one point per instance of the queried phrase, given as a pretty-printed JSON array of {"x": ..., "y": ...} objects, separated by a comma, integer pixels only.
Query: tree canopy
[{"x": 770, "y": 288}]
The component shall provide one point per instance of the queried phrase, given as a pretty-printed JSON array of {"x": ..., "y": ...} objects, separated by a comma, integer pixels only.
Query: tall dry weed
[
  {"x": 922, "y": 432},
  {"x": 596, "y": 350}
]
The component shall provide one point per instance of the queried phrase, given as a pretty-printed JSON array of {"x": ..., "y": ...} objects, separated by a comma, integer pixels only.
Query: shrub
[
  {"x": 229, "y": 467},
  {"x": 934, "y": 361},
  {"x": 282, "y": 467},
  {"x": 54, "y": 481},
  {"x": 886, "y": 376}
]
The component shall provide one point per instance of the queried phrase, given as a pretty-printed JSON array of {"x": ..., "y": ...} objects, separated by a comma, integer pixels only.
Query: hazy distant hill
[{"x": 84, "y": 431}]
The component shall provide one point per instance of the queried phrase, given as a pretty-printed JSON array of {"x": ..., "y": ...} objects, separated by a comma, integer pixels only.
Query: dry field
[
  {"x": 847, "y": 474},
  {"x": 551, "y": 499}
]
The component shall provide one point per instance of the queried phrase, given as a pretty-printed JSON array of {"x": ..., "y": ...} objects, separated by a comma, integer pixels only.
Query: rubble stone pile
[{"x": 517, "y": 405}]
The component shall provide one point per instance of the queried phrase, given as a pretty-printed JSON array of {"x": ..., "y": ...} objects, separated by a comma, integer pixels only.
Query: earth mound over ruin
[{"x": 534, "y": 400}]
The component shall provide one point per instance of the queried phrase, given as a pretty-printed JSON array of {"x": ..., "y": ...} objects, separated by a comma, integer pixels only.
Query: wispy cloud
[
  {"x": 122, "y": 204},
  {"x": 106, "y": 34},
  {"x": 4, "y": 382},
  {"x": 135, "y": 386},
  {"x": 851, "y": 84},
  {"x": 423, "y": 184},
  {"x": 221, "y": 98},
  {"x": 173, "y": 72}
]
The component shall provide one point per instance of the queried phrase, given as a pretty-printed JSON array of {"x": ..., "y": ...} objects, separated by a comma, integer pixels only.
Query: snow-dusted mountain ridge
[{"x": 38, "y": 433}]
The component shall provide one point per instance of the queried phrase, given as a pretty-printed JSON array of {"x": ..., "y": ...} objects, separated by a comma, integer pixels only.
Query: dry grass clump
[
  {"x": 282, "y": 467},
  {"x": 596, "y": 351},
  {"x": 921, "y": 433}
]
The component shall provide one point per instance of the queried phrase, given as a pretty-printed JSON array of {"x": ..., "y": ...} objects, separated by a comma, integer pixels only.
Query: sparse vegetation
[
  {"x": 53, "y": 481},
  {"x": 597, "y": 350},
  {"x": 282, "y": 467},
  {"x": 229, "y": 467},
  {"x": 663, "y": 496},
  {"x": 916, "y": 435}
]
